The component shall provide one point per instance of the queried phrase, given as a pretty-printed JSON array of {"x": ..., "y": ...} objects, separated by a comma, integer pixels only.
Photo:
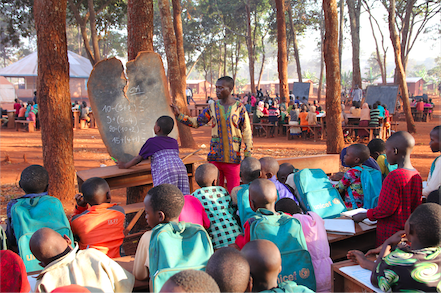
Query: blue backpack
[
  {"x": 432, "y": 167},
  {"x": 243, "y": 204},
  {"x": 29, "y": 215},
  {"x": 317, "y": 193},
  {"x": 290, "y": 287},
  {"x": 286, "y": 233},
  {"x": 371, "y": 182},
  {"x": 175, "y": 247}
]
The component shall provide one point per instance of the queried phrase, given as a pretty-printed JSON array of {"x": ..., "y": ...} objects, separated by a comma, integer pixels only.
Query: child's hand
[
  {"x": 337, "y": 176},
  {"x": 355, "y": 255},
  {"x": 80, "y": 200},
  {"x": 175, "y": 109},
  {"x": 396, "y": 238},
  {"x": 121, "y": 165},
  {"x": 359, "y": 217},
  {"x": 373, "y": 252}
]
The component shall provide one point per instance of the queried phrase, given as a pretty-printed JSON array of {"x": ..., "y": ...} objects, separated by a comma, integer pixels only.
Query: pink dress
[
  {"x": 318, "y": 246},
  {"x": 194, "y": 212}
]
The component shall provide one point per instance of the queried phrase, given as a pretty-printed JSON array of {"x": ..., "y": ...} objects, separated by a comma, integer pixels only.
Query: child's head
[
  {"x": 377, "y": 146},
  {"x": 206, "y": 175},
  {"x": 164, "y": 125},
  {"x": 435, "y": 138},
  {"x": 284, "y": 170},
  {"x": 34, "y": 179},
  {"x": 250, "y": 169},
  {"x": 265, "y": 263},
  {"x": 434, "y": 196},
  {"x": 163, "y": 204},
  {"x": 356, "y": 155},
  {"x": 190, "y": 281},
  {"x": 263, "y": 194},
  {"x": 398, "y": 146},
  {"x": 47, "y": 245},
  {"x": 270, "y": 167},
  {"x": 96, "y": 191},
  {"x": 230, "y": 269},
  {"x": 287, "y": 205},
  {"x": 424, "y": 225}
]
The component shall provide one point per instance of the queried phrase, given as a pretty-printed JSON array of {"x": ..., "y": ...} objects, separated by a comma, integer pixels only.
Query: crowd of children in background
[{"x": 235, "y": 236}]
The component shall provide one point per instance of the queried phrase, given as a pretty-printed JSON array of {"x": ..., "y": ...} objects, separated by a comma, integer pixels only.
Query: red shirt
[
  {"x": 17, "y": 107},
  {"x": 420, "y": 106},
  {"x": 400, "y": 195},
  {"x": 100, "y": 227}
]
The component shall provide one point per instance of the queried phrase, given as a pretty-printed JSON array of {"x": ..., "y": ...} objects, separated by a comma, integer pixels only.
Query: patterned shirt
[
  {"x": 228, "y": 131},
  {"x": 400, "y": 195},
  {"x": 375, "y": 117},
  {"x": 351, "y": 179},
  {"x": 217, "y": 203},
  {"x": 410, "y": 270}
]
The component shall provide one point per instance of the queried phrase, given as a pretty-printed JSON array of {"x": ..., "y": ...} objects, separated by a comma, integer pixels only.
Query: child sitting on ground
[
  {"x": 64, "y": 265},
  {"x": 167, "y": 166},
  {"x": 190, "y": 281},
  {"x": 194, "y": 212},
  {"x": 265, "y": 265},
  {"x": 285, "y": 169},
  {"x": 250, "y": 170},
  {"x": 434, "y": 178},
  {"x": 218, "y": 206},
  {"x": 270, "y": 167},
  {"x": 401, "y": 190},
  {"x": 377, "y": 149},
  {"x": 414, "y": 264},
  {"x": 316, "y": 239},
  {"x": 230, "y": 269},
  {"x": 356, "y": 155},
  {"x": 101, "y": 226}
]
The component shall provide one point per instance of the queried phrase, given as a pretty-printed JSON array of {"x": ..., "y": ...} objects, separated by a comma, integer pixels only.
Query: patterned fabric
[
  {"x": 414, "y": 270},
  {"x": 217, "y": 203},
  {"x": 375, "y": 117},
  {"x": 228, "y": 131},
  {"x": 167, "y": 167},
  {"x": 400, "y": 195},
  {"x": 13, "y": 277},
  {"x": 351, "y": 179}
]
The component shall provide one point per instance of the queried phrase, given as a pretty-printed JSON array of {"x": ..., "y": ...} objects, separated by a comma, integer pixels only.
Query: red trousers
[{"x": 230, "y": 172}]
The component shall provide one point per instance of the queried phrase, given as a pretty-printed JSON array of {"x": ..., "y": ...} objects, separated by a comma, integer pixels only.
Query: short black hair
[
  {"x": 377, "y": 145},
  {"x": 437, "y": 129},
  {"x": 435, "y": 196},
  {"x": 168, "y": 199},
  {"x": 361, "y": 151},
  {"x": 34, "y": 179},
  {"x": 250, "y": 169},
  {"x": 91, "y": 186},
  {"x": 166, "y": 124},
  {"x": 287, "y": 205},
  {"x": 425, "y": 223},
  {"x": 195, "y": 281},
  {"x": 205, "y": 174},
  {"x": 228, "y": 80},
  {"x": 230, "y": 269}
]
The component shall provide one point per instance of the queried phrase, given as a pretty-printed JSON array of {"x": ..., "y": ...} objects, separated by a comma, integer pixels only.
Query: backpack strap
[
  {"x": 432, "y": 167},
  {"x": 351, "y": 196}
]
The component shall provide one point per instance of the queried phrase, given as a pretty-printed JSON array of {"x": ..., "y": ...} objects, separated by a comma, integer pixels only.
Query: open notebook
[{"x": 340, "y": 226}]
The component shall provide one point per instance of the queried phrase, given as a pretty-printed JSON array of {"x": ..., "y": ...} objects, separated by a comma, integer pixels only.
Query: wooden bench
[
  {"x": 19, "y": 123},
  {"x": 369, "y": 129},
  {"x": 265, "y": 127},
  {"x": 330, "y": 163},
  {"x": 313, "y": 128}
]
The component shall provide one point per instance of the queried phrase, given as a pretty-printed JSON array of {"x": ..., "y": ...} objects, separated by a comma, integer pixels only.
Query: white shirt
[{"x": 434, "y": 180}]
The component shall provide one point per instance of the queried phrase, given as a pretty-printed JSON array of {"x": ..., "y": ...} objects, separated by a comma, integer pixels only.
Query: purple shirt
[
  {"x": 157, "y": 143},
  {"x": 283, "y": 191}
]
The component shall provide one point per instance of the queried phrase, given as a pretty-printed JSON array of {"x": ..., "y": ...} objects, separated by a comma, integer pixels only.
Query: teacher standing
[{"x": 230, "y": 127}]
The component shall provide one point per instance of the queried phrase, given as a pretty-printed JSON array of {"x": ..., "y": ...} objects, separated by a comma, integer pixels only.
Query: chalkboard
[
  {"x": 386, "y": 94},
  {"x": 301, "y": 89},
  {"x": 126, "y": 110}
]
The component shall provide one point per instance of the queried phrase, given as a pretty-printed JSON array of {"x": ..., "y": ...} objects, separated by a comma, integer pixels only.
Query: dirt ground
[{"x": 21, "y": 149}]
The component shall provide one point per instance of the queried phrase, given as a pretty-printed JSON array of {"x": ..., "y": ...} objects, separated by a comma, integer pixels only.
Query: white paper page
[
  {"x": 354, "y": 212},
  {"x": 361, "y": 275},
  {"x": 340, "y": 225},
  {"x": 32, "y": 281}
]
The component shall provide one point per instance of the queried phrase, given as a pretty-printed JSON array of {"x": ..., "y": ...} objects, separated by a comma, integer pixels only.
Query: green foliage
[{"x": 371, "y": 76}]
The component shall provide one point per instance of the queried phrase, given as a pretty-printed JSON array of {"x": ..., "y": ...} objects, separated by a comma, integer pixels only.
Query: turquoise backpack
[
  {"x": 175, "y": 247},
  {"x": 243, "y": 204},
  {"x": 371, "y": 182},
  {"x": 286, "y": 233},
  {"x": 317, "y": 193},
  {"x": 432, "y": 167},
  {"x": 31, "y": 214},
  {"x": 290, "y": 287}
]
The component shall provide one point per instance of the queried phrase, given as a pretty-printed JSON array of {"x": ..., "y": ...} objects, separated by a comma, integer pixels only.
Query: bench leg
[
  {"x": 17, "y": 126},
  {"x": 31, "y": 127},
  {"x": 371, "y": 134}
]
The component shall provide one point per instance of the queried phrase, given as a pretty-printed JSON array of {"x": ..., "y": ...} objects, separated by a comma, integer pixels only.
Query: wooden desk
[
  {"x": 137, "y": 208},
  {"x": 199, "y": 108},
  {"x": 140, "y": 174},
  {"x": 127, "y": 263},
  {"x": 342, "y": 282},
  {"x": 76, "y": 114},
  {"x": 362, "y": 240},
  {"x": 11, "y": 119},
  {"x": 92, "y": 120}
]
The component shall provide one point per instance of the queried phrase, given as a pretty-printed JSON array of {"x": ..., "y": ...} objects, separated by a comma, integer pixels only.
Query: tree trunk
[
  {"x": 340, "y": 35},
  {"x": 54, "y": 97},
  {"x": 335, "y": 142},
  {"x": 295, "y": 44},
  {"x": 282, "y": 61},
  {"x": 139, "y": 38},
  {"x": 139, "y": 27},
  {"x": 82, "y": 24},
  {"x": 263, "y": 63},
  {"x": 177, "y": 24},
  {"x": 405, "y": 32},
  {"x": 93, "y": 32},
  {"x": 354, "y": 17},
  {"x": 400, "y": 69},
  {"x": 250, "y": 45},
  {"x": 174, "y": 77},
  {"x": 322, "y": 65},
  {"x": 225, "y": 55}
]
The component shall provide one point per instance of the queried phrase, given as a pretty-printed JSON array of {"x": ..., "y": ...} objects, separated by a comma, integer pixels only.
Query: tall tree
[
  {"x": 295, "y": 44},
  {"x": 174, "y": 72},
  {"x": 354, "y": 7},
  {"x": 54, "y": 97},
  {"x": 282, "y": 59},
  {"x": 322, "y": 64},
  {"x": 177, "y": 25},
  {"x": 334, "y": 143},
  {"x": 400, "y": 72},
  {"x": 250, "y": 44},
  {"x": 340, "y": 34}
]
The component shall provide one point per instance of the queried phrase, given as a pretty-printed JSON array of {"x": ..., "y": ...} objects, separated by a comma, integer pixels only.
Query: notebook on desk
[
  {"x": 361, "y": 275},
  {"x": 340, "y": 226}
]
